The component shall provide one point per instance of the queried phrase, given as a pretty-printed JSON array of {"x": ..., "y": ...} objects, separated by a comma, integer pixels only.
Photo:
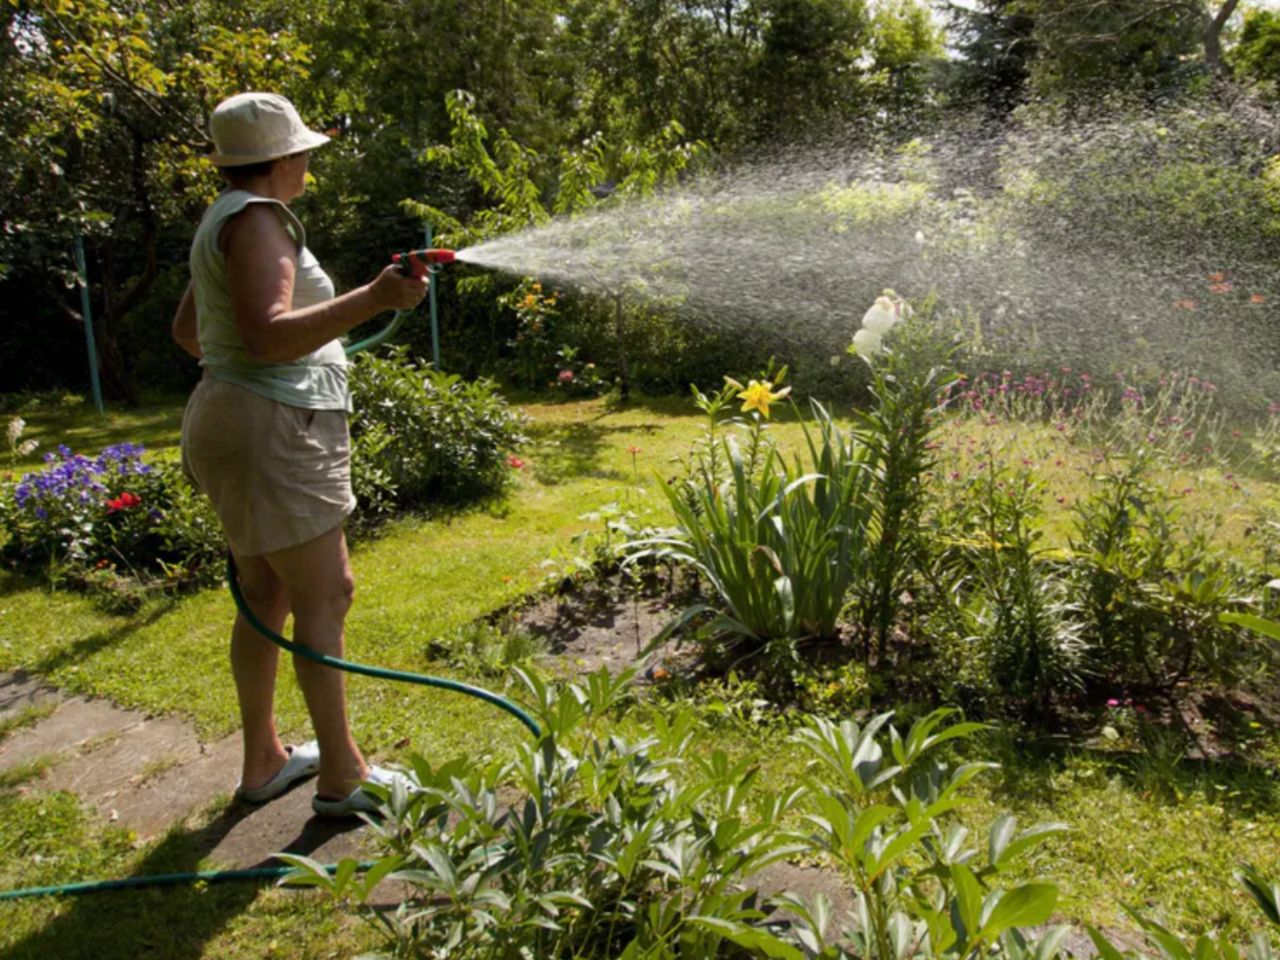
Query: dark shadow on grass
[
  {"x": 1029, "y": 766},
  {"x": 568, "y": 451},
  {"x": 166, "y": 923},
  {"x": 20, "y": 581},
  {"x": 174, "y": 923},
  {"x": 86, "y": 647}
]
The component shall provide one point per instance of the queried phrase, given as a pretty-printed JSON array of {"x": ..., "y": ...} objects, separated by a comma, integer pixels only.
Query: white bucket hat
[{"x": 256, "y": 127}]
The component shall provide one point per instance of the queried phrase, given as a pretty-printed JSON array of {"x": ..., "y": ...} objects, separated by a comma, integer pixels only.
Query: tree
[
  {"x": 996, "y": 42},
  {"x": 906, "y": 46},
  {"x": 1256, "y": 56},
  {"x": 510, "y": 174},
  {"x": 105, "y": 106},
  {"x": 807, "y": 73},
  {"x": 1154, "y": 44}
]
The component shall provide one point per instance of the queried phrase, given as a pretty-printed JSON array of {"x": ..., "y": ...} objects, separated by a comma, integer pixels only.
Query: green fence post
[
  {"x": 431, "y": 300},
  {"x": 82, "y": 277}
]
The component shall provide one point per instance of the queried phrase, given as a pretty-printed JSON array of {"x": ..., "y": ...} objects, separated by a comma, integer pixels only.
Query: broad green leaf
[
  {"x": 1104, "y": 946},
  {"x": 749, "y": 937},
  {"x": 968, "y": 898},
  {"x": 1024, "y": 906},
  {"x": 1268, "y": 628}
]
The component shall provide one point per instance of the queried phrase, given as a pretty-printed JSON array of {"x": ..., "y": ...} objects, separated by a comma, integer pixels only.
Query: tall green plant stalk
[{"x": 909, "y": 383}]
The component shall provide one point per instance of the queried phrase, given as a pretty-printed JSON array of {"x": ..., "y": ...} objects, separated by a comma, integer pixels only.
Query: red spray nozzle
[{"x": 420, "y": 262}]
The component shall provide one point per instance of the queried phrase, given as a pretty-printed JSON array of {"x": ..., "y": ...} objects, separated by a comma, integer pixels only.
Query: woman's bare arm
[
  {"x": 184, "y": 324},
  {"x": 261, "y": 265}
]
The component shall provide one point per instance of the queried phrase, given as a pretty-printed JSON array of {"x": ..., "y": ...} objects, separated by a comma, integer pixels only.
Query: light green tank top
[{"x": 317, "y": 381}]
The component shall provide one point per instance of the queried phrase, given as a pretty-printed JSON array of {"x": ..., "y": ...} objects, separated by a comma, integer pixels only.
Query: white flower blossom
[
  {"x": 16, "y": 426},
  {"x": 881, "y": 317},
  {"x": 28, "y": 448},
  {"x": 867, "y": 342}
]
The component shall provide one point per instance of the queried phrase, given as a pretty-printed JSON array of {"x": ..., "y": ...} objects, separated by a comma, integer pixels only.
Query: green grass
[
  {"x": 1168, "y": 841},
  {"x": 30, "y": 770},
  {"x": 48, "y": 838},
  {"x": 155, "y": 424},
  {"x": 26, "y": 717}
]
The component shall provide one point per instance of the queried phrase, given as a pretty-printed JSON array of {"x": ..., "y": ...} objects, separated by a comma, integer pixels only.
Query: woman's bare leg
[
  {"x": 319, "y": 585},
  {"x": 254, "y": 659}
]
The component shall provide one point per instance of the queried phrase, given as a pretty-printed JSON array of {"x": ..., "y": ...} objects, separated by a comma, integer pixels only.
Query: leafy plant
[
  {"x": 607, "y": 852},
  {"x": 1153, "y": 592},
  {"x": 532, "y": 345},
  {"x": 910, "y": 364},
  {"x": 777, "y": 540},
  {"x": 1027, "y": 627},
  {"x": 919, "y": 890},
  {"x": 610, "y": 849},
  {"x": 420, "y": 434},
  {"x": 18, "y": 447},
  {"x": 1167, "y": 946},
  {"x": 112, "y": 520},
  {"x": 486, "y": 649}
]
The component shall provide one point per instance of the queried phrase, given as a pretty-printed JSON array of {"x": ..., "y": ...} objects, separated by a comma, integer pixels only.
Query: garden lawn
[{"x": 1148, "y": 841}]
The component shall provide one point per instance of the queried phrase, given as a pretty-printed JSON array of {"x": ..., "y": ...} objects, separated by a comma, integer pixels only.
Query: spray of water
[{"x": 1112, "y": 242}]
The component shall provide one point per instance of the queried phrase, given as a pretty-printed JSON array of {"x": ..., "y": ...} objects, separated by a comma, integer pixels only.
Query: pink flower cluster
[
  {"x": 1114, "y": 704},
  {"x": 1059, "y": 389}
]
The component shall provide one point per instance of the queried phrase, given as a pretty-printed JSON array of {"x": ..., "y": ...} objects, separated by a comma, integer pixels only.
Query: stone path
[{"x": 149, "y": 774}]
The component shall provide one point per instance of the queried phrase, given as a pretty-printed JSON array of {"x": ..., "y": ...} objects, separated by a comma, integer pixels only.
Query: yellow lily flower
[{"x": 758, "y": 396}]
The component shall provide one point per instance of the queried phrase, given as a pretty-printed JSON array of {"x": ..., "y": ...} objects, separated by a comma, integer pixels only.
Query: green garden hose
[
  {"x": 157, "y": 880},
  {"x": 381, "y": 672}
]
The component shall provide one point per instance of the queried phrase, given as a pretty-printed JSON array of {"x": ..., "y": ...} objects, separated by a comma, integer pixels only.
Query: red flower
[
  {"x": 515, "y": 463},
  {"x": 1257, "y": 298},
  {"x": 633, "y": 450},
  {"x": 566, "y": 376},
  {"x": 123, "y": 502}
]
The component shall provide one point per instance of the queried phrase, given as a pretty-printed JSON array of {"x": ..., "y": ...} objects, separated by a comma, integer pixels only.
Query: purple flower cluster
[
  {"x": 1060, "y": 390},
  {"x": 1066, "y": 392},
  {"x": 71, "y": 479}
]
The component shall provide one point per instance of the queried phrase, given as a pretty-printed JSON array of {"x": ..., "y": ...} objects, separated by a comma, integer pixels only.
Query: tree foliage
[{"x": 105, "y": 107}]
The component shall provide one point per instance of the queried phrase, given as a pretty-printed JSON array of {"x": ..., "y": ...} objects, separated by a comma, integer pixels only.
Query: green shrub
[
  {"x": 1152, "y": 589},
  {"x": 911, "y": 373},
  {"x": 1028, "y": 629},
  {"x": 419, "y": 434}
]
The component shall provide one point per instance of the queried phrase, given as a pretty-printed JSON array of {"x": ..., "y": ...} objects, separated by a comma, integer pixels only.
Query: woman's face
[{"x": 296, "y": 173}]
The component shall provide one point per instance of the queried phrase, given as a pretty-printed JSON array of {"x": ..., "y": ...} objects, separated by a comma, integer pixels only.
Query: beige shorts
[{"x": 278, "y": 475}]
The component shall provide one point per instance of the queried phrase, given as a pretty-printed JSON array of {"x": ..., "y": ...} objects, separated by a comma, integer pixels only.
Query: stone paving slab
[
  {"x": 151, "y": 806},
  {"x": 148, "y": 774},
  {"x": 20, "y": 690},
  {"x": 287, "y": 825},
  {"x": 110, "y": 775},
  {"x": 75, "y": 724}
]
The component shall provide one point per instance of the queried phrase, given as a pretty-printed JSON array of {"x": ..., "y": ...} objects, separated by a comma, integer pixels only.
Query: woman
[{"x": 265, "y": 437}]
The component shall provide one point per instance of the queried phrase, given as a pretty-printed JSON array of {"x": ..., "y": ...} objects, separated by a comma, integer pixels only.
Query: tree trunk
[
  {"x": 116, "y": 304},
  {"x": 1213, "y": 38}
]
